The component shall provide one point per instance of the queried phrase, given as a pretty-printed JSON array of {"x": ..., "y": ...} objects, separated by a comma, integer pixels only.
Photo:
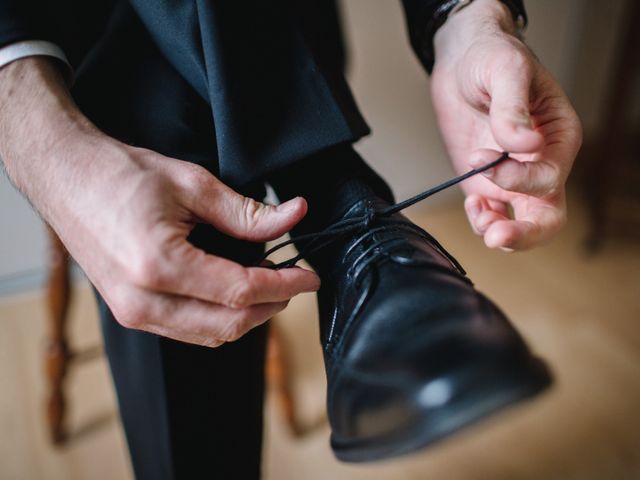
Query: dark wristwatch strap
[{"x": 430, "y": 19}]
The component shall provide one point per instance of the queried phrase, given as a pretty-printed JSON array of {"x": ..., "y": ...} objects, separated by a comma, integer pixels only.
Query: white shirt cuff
[{"x": 31, "y": 48}]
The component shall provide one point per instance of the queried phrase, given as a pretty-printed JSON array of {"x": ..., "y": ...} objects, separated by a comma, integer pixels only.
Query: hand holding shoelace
[
  {"x": 491, "y": 94},
  {"x": 125, "y": 213}
]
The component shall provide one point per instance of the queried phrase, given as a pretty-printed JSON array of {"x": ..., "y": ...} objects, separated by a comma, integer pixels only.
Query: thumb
[
  {"x": 511, "y": 122},
  {"x": 245, "y": 218}
]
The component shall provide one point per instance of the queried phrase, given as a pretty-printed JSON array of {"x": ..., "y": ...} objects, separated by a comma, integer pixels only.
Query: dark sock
[{"x": 331, "y": 181}]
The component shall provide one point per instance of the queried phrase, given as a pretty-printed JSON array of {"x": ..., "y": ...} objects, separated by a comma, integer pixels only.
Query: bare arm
[{"x": 124, "y": 214}]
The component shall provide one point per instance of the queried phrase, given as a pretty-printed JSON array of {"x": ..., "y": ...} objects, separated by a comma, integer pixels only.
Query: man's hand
[
  {"x": 491, "y": 95},
  {"x": 124, "y": 214}
]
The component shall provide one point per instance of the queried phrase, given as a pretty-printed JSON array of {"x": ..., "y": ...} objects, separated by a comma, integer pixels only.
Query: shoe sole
[{"x": 500, "y": 388}]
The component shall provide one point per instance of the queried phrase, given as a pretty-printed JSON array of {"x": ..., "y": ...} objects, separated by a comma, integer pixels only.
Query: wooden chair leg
[
  {"x": 278, "y": 377},
  {"x": 56, "y": 355}
]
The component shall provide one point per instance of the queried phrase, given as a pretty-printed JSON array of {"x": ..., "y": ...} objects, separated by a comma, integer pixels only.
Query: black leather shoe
[{"x": 412, "y": 351}]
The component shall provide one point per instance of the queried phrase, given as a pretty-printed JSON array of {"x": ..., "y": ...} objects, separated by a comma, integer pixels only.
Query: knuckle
[
  {"x": 533, "y": 187},
  {"x": 555, "y": 188},
  {"x": 131, "y": 316},
  {"x": 197, "y": 178},
  {"x": 146, "y": 271},
  {"x": 552, "y": 182},
  {"x": 212, "y": 343},
  {"x": 514, "y": 183},
  {"x": 240, "y": 294},
  {"x": 235, "y": 328},
  {"x": 512, "y": 179},
  {"x": 252, "y": 211},
  {"x": 513, "y": 58},
  {"x": 518, "y": 59},
  {"x": 129, "y": 308}
]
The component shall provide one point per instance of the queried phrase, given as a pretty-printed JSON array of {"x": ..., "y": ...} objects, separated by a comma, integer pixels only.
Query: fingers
[
  {"x": 510, "y": 235},
  {"x": 509, "y": 88},
  {"x": 539, "y": 177},
  {"x": 482, "y": 212},
  {"x": 239, "y": 216},
  {"x": 185, "y": 270},
  {"x": 211, "y": 201},
  {"x": 168, "y": 263},
  {"x": 535, "y": 222},
  {"x": 190, "y": 320}
]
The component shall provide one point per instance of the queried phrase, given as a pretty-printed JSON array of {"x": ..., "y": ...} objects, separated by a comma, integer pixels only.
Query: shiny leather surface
[{"x": 410, "y": 346}]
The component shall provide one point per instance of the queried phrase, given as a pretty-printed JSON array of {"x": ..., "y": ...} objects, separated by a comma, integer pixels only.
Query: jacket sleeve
[
  {"x": 424, "y": 17},
  {"x": 73, "y": 25}
]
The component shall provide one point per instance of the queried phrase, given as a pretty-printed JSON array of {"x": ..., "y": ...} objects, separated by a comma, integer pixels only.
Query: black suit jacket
[{"x": 270, "y": 72}]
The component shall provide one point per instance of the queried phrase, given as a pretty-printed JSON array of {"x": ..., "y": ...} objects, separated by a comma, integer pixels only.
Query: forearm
[{"x": 41, "y": 130}]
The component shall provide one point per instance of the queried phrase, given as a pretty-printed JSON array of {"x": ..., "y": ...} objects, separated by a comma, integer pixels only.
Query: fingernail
[
  {"x": 288, "y": 206},
  {"x": 489, "y": 172}
]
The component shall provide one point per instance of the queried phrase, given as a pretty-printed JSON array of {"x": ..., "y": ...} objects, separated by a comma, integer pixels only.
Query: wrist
[
  {"x": 466, "y": 27},
  {"x": 482, "y": 16}
]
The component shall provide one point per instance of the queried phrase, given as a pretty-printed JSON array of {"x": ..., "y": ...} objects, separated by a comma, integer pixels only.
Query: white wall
[
  {"x": 392, "y": 91},
  {"x": 22, "y": 241}
]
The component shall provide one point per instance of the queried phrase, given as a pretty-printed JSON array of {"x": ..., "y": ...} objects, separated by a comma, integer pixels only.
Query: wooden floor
[{"x": 581, "y": 314}]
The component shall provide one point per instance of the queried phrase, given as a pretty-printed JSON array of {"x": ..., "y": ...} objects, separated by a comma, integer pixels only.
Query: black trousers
[{"x": 188, "y": 412}]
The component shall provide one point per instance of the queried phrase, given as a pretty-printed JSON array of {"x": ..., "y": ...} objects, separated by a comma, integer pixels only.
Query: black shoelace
[{"x": 314, "y": 242}]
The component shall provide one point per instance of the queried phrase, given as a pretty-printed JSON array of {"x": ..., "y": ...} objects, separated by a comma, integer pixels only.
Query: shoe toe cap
[{"x": 379, "y": 414}]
